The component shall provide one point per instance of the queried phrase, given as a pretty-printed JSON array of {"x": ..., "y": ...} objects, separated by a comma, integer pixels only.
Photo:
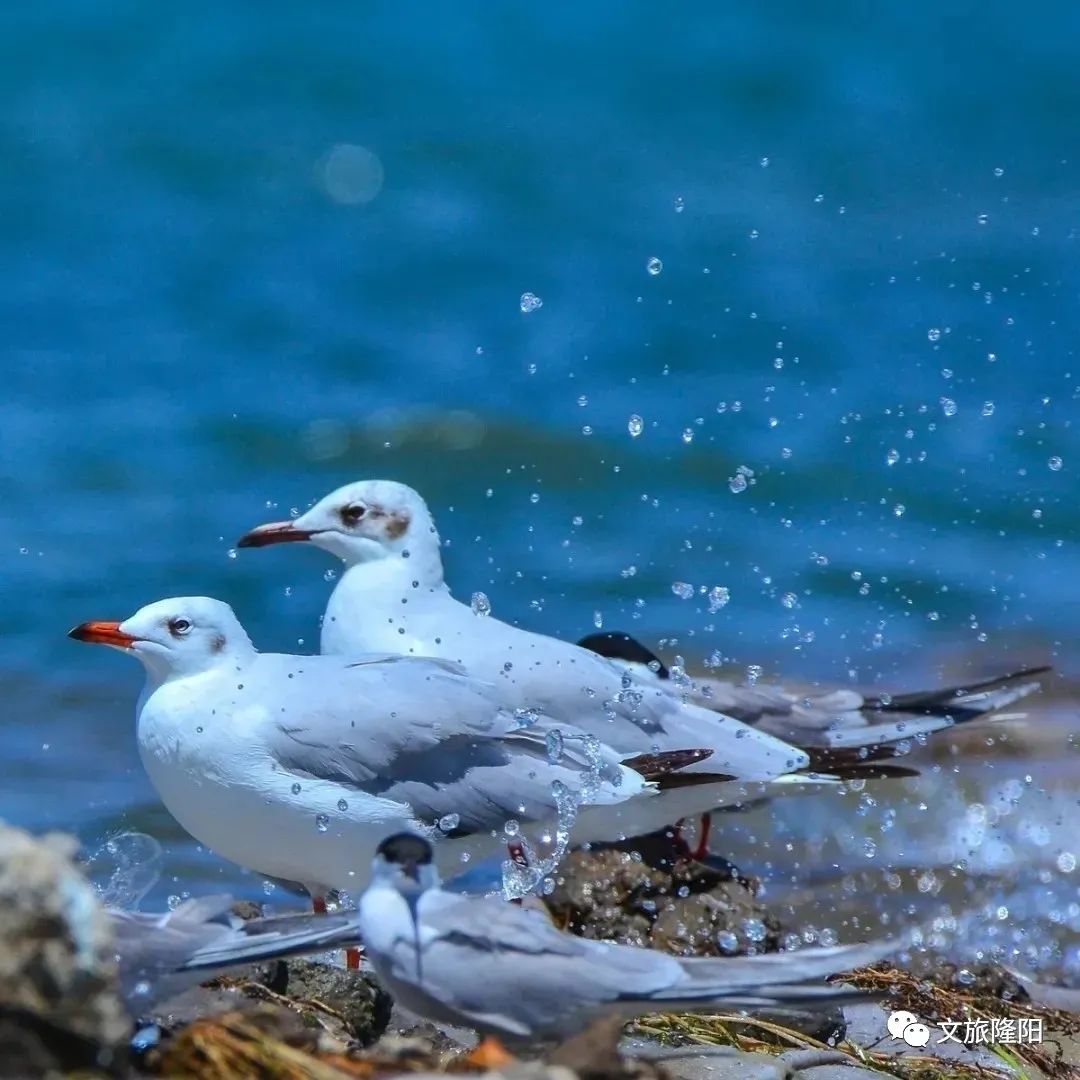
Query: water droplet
[
  {"x": 635, "y": 425},
  {"x": 737, "y": 483},
  {"x": 988, "y": 408},
  {"x": 727, "y": 942},
  {"x": 295, "y": 789},
  {"x": 982, "y": 219},
  {"x": 449, "y": 822},
  {"x": 688, "y": 435},
  {"x": 683, "y": 590},
  {"x": 753, "y": 673},
  {"x": 342, "y": 805},
  {"x": 512, "y": 828},
  {"x": 231, "y": 553},
  {"x": 789, "y": 599},
  {"x": 1066, "y": 862},
  {"x": 899, "y": 509},
  {"x": 948, "y": 406},
  {"x": 680, "y": 206},
  {"x": 719, "y": 596},
  {"x": 322, "y": 822},
  {"x": 755, "y": 930},
  {"x": 1055, "y": 464},
  {"x": 999, "y": 171},
  {"x": 530, "y": 302},
  {"x": 892, "y": 457},
  {"x": 481, "y": 605},
  {"x": 555, "y": 746},
  {"x": 933, "y": 334},
  {"x": 654, "y": 266}
]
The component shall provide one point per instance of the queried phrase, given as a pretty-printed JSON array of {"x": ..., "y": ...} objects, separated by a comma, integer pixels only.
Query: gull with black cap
[{"x": 507, "y": 971}]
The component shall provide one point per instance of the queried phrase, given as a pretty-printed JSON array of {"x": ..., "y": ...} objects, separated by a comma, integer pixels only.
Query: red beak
[
  {"x": 102, "y": 633},
  {"x": 277, "y": 532}
]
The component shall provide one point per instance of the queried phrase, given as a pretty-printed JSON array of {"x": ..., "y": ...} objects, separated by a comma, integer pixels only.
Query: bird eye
[
  {"x": 352, "y": 515},
  {"x": 178, "y": 627}
]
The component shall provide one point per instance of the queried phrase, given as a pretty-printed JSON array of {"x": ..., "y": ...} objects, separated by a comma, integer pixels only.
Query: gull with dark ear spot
[
  {"x": 507, "y": 971},
  {"x": 392, "y": 597},
  {"x": 297, "y": 766}
]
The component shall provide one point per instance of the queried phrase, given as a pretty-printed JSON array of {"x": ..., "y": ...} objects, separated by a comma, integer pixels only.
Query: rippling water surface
[{"x": 828, "y": 259}]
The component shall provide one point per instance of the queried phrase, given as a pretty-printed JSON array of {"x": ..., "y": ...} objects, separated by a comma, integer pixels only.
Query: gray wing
[
  {"x": 148, "y": 945},
  {"x": 260, "y": 940},
  {"x": 158, "y": 954},
  {"x": 512, "y": 969},
  {"x": 842, "y": 726},
  {"x": 422, "y": 734},
  {"x": 845, "y": 720}
]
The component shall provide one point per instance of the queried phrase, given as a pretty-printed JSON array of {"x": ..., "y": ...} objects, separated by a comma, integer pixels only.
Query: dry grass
[{"x": 902, "y": 991}]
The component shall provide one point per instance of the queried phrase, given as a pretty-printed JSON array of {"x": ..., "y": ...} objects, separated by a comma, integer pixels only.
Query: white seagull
[
  {"x": 392, "y": 597},
  {"x": 507, "y": 971},
  {"x": 297, "y": 766}
]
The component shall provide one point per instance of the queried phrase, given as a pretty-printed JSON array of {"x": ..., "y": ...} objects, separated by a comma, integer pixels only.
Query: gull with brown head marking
[{"x": 392, "y": 597}]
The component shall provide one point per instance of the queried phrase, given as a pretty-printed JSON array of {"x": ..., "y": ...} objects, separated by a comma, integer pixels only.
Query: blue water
[{"x": 250, "y": 254}]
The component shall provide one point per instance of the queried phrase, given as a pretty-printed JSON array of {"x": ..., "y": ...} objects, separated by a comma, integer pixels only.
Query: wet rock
[
  {"x": 986, "y": 981},
  {"x": 357, "y": 996},
  {"x": 58, "y": 1005},
  {"x": 683, "y": 908},
  {"x": 247, "y": 909}
]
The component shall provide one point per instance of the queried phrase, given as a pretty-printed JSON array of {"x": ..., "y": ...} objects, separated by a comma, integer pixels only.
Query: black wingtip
[
  {"x": 616, "y": 645},
  {"x": 665, "y": 762},
  {"x": 947, "y": 699}
]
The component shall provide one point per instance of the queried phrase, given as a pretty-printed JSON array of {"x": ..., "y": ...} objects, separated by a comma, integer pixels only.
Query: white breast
[{"x": 214, "y": 776}]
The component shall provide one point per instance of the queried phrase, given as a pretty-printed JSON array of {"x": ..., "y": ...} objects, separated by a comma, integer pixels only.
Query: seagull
[
  {"x": 507, "y": 971},
  {"x": 393, "y": 591},
  {"x": 840, "y": 726},
  {"x": 297, "y": 766},
  {"x": 392, "y": 596},
  {"x": 158, "y": 955}
]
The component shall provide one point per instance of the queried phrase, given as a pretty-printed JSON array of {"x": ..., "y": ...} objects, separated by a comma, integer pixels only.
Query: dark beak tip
[{"x": 76, "y": 632}]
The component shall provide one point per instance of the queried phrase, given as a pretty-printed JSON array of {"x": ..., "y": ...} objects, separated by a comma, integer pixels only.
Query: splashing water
[
  {"x": 133, "y": 862},
  {"x": 531, "y": 873}
]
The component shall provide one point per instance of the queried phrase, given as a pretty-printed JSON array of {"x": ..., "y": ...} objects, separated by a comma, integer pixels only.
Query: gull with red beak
[
  {"x": 297, "y": 766},
  {"x": 392, "y": 597}
]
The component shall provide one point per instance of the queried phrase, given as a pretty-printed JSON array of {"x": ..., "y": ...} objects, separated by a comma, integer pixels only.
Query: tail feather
[
  {"x": 963, "y": 702},
  {"x": 785, "y": 979}
]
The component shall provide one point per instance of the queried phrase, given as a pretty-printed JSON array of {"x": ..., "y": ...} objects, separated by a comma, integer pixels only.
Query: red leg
[
  {"x": 704, "y": 828},
  {"x": 354, "y": 958},
  {"x": 702, "y": 848},
  {"x": 318, "y": 905},
  {"x": 516, "y": 850}
]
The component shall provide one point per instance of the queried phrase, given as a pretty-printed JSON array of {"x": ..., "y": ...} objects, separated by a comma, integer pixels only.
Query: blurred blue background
[{"x": 250, "y": 254}]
